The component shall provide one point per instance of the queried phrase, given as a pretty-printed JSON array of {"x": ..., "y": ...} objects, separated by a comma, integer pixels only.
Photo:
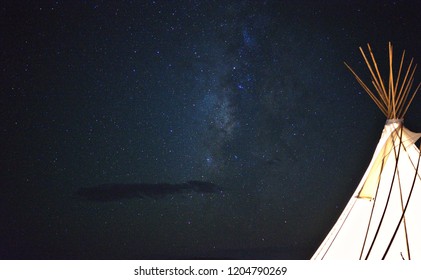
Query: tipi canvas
[{"x": 382, "y": 220}]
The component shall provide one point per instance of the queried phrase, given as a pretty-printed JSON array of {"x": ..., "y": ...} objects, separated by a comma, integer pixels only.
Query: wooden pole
[{"x": 393, "y": 102}]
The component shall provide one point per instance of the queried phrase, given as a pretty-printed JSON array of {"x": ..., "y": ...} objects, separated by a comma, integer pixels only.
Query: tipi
[{"x": 382, "y": 220}]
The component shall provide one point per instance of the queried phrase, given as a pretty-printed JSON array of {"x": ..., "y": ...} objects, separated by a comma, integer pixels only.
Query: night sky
[{"x": 187, "y": 129}]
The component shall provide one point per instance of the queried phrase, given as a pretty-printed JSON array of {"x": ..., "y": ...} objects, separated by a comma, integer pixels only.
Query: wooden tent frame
[{"x": 392, "y": 101}]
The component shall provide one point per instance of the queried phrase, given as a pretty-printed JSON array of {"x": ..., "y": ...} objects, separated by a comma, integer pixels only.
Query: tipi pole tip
[{"x": 391, "y": 96}]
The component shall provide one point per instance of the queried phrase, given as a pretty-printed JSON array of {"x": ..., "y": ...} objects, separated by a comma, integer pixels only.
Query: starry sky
[{"x": 187, "y": 129}]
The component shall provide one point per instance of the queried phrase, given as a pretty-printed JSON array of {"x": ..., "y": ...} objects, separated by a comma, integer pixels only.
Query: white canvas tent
[{"x": 382, "y": 220}]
